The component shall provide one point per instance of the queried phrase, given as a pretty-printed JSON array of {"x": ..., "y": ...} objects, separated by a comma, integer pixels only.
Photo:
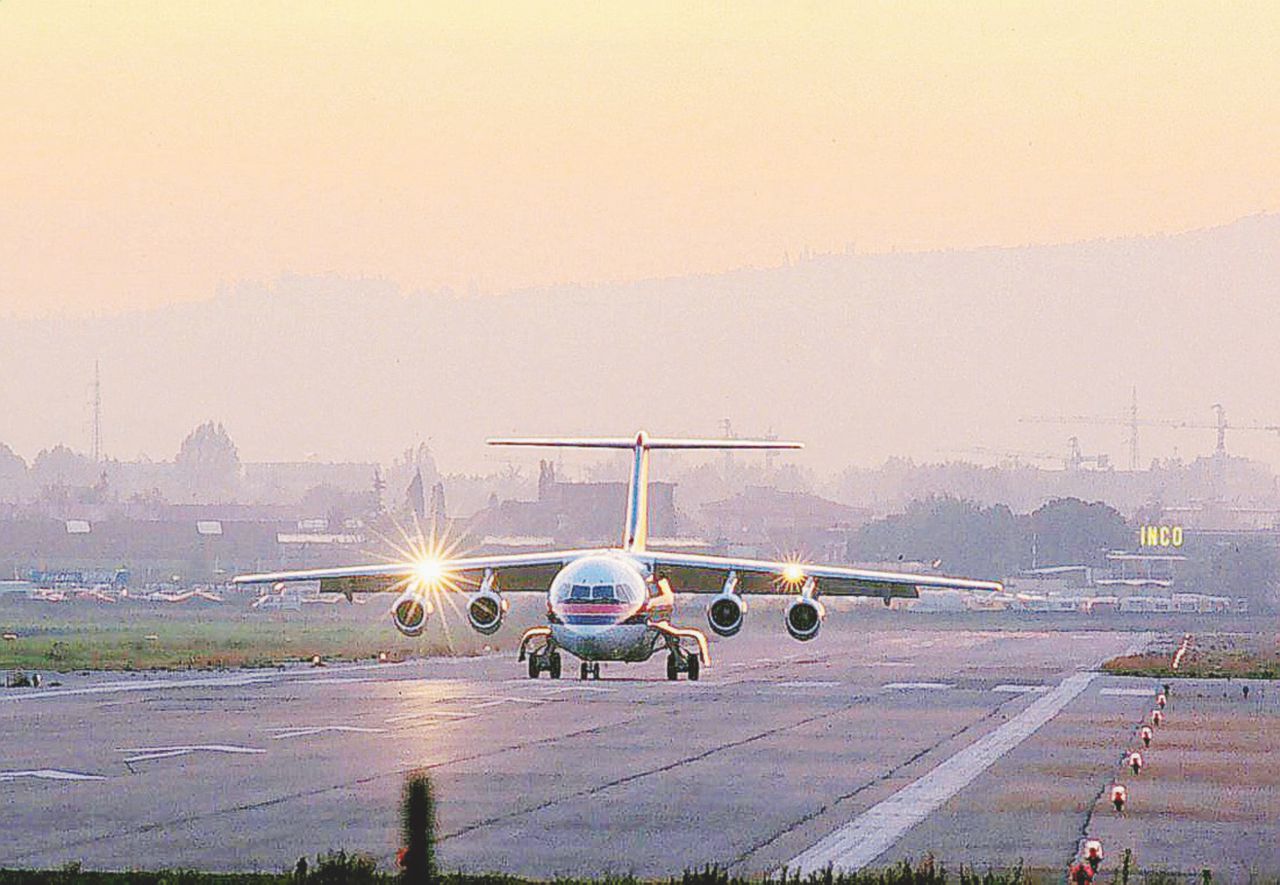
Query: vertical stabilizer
[{"x": 635, "y": 534}]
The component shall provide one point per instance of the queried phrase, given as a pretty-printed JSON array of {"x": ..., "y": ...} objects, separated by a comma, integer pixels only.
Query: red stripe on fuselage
[{"x": 595, "y": 608}]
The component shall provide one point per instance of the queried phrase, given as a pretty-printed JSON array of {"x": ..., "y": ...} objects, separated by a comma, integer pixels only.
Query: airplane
[{"x": 616, "y": 603}]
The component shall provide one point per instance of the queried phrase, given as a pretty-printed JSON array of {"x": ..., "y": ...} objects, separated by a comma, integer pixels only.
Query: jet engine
[
  {"x": 410, "y": 613},
  {"x": 726, "y": 611},
  {"x": 725, "y": 614},
  {"x": 804, "y": 618},
  {"x": 485, "y": 610}
]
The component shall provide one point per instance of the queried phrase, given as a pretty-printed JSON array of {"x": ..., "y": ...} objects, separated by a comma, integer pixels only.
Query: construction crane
[
  {"x": 1007, "y": 458},
  {"x": 1076, "y": 460},
  {"x": 1133, "y": 422},
  {"x": 1073, "y": 460}
]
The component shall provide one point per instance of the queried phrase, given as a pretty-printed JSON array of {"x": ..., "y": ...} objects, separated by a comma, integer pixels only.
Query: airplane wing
[
  {"x": 695, "y": 573},
  {"x": 515, "y": 572}
]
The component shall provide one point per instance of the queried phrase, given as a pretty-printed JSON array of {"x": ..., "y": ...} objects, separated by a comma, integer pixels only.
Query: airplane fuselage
[{"x": 601, "y": 607}]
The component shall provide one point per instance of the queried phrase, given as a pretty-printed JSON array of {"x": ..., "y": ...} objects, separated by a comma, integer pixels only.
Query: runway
[{"x": 858, "y": 748}]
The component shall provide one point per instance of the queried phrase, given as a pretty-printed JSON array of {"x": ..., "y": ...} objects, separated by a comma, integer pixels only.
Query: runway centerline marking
[
  {"x": 307, "y": 731},
  {"x": 922, "y": 686},
  {"x": 1012, "y": 688},
  {"x": 143, "y": 754},
  {"x": 496, "y": 702},
  {"x": 236, "y": 680},
  {"x": 870, "y": 834},
  {"x": 50, "y": 774},
  {"x": 428, "y": 714}
]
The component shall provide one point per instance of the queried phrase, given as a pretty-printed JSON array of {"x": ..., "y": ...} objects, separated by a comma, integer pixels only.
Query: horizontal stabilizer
[
  {"x": 636, "y": 531},
  {"x": 645, "y": 442}
]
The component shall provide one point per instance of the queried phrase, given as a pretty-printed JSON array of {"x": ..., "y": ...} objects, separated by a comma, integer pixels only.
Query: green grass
[
  {"x": 1211, "y": 656},
  {"x": 339, "y": 867},
  {"x": 163, "y": 644}
]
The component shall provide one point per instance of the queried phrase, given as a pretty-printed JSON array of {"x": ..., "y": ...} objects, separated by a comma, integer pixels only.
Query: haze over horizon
[
  {"x": 863, "y": 357},
  {"x": 157, "y": 151}
]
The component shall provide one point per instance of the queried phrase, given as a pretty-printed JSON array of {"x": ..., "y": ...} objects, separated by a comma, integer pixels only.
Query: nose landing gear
[{"x": 589, "y": 670}]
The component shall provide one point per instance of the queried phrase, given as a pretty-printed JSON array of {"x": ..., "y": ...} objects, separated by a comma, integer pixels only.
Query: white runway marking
[
  {"x": 285, "y": 733},
  {"x": 495, "y": 702},
  {"x": 50, "y": 774},
  {"x": 873, "y": 832},
  {"x": 923, "y": 686},
  {"x": 428, "y": 714},
  {"x": 1010, "y": 688},
  {"x": 803, "y": 684},
  {"x": 145, "y": 753},
  {"x": 1129, "y": 692},
  {"x": 233, "y": 680}
]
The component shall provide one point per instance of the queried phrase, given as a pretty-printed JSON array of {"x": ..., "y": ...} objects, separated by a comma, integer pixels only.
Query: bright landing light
[
  {"x": 793, "y": 573},
  {"x": 428, "y": 572}
]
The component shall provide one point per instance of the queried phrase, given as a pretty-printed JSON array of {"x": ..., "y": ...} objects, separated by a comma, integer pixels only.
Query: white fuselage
[{"x": 600, "y": 608}]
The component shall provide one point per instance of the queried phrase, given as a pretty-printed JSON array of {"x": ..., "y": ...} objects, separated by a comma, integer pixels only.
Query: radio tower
[
  {"x": 97, "y": 414},
  {"x": 1133, "y": 430}
]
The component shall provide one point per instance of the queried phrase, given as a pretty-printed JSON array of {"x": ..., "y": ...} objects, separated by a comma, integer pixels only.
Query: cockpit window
[{"x": 598, "y": 593}]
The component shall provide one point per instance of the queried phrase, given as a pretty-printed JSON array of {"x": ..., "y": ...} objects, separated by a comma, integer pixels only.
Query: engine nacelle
[
  {"x": 725, "y": 614},
  {"x": 485, "y": 610},
  {"x": 410, "y": 613},
  {"x": 804, "y": 618}
]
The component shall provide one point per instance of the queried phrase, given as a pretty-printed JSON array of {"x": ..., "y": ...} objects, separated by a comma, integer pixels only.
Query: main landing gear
[
  {"x": 589, "y": 670},
  {"x": 680, "y": 661},
  {"x": 545, "y": 659},
  {"x": 544, "y": 656}
]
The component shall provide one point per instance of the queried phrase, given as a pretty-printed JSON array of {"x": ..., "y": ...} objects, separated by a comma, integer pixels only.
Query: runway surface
[{"x": 858, "y": 748}]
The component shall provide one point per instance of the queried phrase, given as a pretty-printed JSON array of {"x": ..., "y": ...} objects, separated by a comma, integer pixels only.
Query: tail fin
[{"x": 636, "y": 532}]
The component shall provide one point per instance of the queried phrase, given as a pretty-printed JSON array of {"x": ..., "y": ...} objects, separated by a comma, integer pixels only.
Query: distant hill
[{"x": 863, "y": 356}]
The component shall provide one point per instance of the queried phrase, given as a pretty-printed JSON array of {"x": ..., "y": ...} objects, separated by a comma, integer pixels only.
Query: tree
[
  {"x": 965, "y": 537},
  {"x": 208, "y": 463},
  {"x": 1067, "y": 531},
  {"x": 13, "y": 473},
  {"x": 1241, "y": 569},
  {"x": 61, "y": 466},
  {"x": 335, "y": 504}
]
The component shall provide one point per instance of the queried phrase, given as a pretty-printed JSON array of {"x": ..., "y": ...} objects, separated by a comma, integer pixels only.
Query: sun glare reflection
[{"x": 426, "y": 556}]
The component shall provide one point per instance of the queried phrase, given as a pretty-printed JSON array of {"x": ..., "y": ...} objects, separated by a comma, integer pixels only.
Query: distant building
[
  {"x": 771, "y": 520},
  {"x": 573, "y": 513}
]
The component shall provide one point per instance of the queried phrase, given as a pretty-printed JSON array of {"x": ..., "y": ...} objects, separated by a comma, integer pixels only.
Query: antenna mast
[
  {"x": 1133, "y": 430},
  {"x": 97, "y": 414}
]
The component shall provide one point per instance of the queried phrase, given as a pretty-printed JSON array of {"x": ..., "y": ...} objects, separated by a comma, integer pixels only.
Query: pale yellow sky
[{"x": 151, "y": 151}]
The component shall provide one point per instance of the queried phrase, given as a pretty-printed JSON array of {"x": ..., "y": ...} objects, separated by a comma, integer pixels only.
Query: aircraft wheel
[
  {"x": 584, "y": 671},
  {"x": 673, "y": 667},
  {"x": 595, "y": 671},
  {"x": 694, "y": 667},
  {"x": 555, "y": 665},
  {"x": 533, "y": 667}
]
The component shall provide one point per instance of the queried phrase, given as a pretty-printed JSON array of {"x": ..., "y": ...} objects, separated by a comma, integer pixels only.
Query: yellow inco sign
[{"x": 1160, "y": 536}]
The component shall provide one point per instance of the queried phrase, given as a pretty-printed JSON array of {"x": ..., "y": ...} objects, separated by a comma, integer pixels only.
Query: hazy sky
[{"x": 150, "y": 151}]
